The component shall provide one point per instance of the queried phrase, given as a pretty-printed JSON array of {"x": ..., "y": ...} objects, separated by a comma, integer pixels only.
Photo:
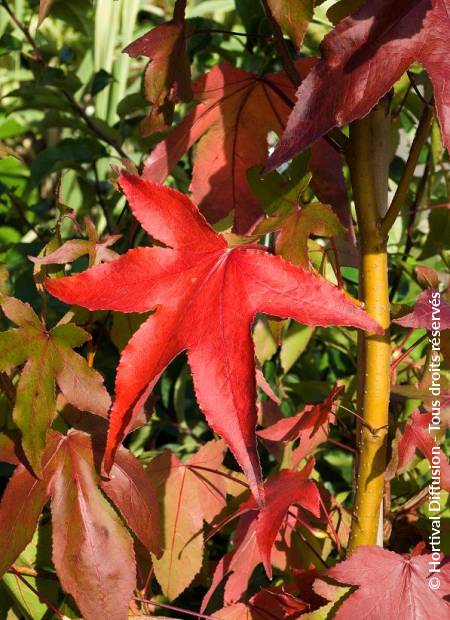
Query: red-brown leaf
[
  {"x": 391, "y": 586},
  {"x": 20, "y": 509},
  {"x": 167, "y": 77},
  {"x": 236, "y": 111},
  {"x": 92, "y": 550},
  {"x": 416, "y": 436},
  {"x": 430, "y": 312},
  {"x": 130, "y": 489},
  {"x": 188, "y": 495}
]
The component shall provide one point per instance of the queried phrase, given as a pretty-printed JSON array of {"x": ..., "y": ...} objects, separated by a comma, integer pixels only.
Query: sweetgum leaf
[
  {"x": 311, "y": 426},
  {"x": 391, "y": 586},
  {"x": 206, "y": 296},
  {"x": 44, "y": 10},
  {"x": 315, "y": 218},
  {"x": 293, "y": 16},
  {"x": 280, "y": 604},
  {"x": 361, "y": 59},
  {"x": 416, "y": 436},
  {"x": 425, "y": 313},
  {"x": 258, "y": 530},
  {"x": 167, "y": 77},
  {"x": 239, "y": 611},
  {"x": 49, "y": 361},
  {"x": 98, "y": 250},
  {"x": 130, "y": 489},
  {"x": 20, "y": 509},
  {"x": 187, "y": 497},
  {"x": 238, "y": 564},
  {"x": 92, "y": 550},
  {"x": 287, "y": 488},
  {"x": 236, "y": 110}
]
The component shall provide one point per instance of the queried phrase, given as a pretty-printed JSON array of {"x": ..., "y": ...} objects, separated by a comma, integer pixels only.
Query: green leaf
[
  {"x": 318, "y": 219},
  {"x": 68, "y": 153},
  {"x": 293, "y": 16},
  {"x": 100, "y": 81},
  {"x": 50, "y": 361},
  {"x": 294, "y": 344},
  {"x": 9, "y": 44}
]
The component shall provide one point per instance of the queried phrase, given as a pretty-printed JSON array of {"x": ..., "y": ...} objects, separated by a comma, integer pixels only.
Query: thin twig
[
  {"x": 40, "y": 596},
  {"x": 28, "y": 571},
  {"x": 402, "y": 190},
  {"x": 282, "y": 48},
  {"x": 409, "y": 350},
  {"x": 229, "y": 32},
  {"x": 8, "y": 388},
  {"x": 104, "y": 207},
  {"x": 335, "y": 137},
  {"x": 410, "y": 226},
  {"x": 23, "y": 29},
  {"x": 173, "y": 608},
  {"x": 92, "y": 124},
  {"x": 219, "y": 473}
]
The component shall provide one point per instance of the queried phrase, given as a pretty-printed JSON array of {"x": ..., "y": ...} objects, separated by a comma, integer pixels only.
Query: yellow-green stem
[{"x": 376, "y": 350}]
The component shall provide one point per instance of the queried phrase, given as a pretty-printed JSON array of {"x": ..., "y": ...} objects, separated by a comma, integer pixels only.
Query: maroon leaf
[
  {"x": 20, "y": 509},
  {"x": 277, "y": 603},
  {"x": 430, "y": 312},
  {"x": 416, "y": 436},
  {"x": 167, "y": 77},
  {"x": 391, "y": 586},
  {"x": 361, "y": 59}
]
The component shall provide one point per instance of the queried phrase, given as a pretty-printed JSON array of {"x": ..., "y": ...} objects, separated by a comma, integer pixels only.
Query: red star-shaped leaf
[
  {"x": 205, "y": 296},
  {"x": 361, "y": 59}
]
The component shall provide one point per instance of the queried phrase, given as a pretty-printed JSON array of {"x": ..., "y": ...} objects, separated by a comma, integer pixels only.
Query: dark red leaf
[
  {"x": 277, "y": 603},
  {"x": 167, "y": 77},
  {"x": 361, "y": 59},
  {"x": 130, "y": 489},
  {"x": 20, "y": 509}
]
